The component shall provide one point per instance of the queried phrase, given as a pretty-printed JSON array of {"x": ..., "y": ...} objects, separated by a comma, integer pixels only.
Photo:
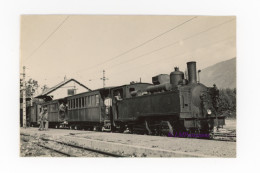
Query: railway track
[
  {"x": 56, "y": 150},
  {"x": 70, "y": 150},
  {"x": 226, "y": 136},
  {"x": 104, "y": 153}
]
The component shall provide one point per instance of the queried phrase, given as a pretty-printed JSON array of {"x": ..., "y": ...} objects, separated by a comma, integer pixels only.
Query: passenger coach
[{"x": 90, "y": 110}]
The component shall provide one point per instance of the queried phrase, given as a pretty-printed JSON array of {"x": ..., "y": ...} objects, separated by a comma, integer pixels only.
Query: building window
[{"x": 79, "y": 100}]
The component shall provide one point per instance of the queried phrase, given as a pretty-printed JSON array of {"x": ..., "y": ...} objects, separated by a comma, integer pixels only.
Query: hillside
[{"x": 223, "y": 74}]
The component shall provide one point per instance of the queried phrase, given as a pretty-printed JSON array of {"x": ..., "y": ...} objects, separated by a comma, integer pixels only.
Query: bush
[{"x": 227, "y": 102}]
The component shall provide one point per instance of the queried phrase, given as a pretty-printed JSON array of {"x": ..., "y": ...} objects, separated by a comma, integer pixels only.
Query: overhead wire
[
  {"x": 147, "y": 41},
  {"x": 171, "y": 44},
  {"x": 187, "y": 38},
  {"x": 183, "y": 53},
  {"x": 47, "y": 38}
]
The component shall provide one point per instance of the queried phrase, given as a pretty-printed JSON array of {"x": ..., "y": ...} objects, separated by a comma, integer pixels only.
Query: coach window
[
  {"x": 82, "y": 102},
  {"x": 86, "y": 101},
  {"x": 79, "y": 102},
  {"x": 89, "y": 100},
  {"x": 54, "y": 107},
  {"x": 93, "y": 101},
  {"x": 97, "y": 100},
  {"x": 51, "y": 108},
  {"x": 74, "y": 103}
]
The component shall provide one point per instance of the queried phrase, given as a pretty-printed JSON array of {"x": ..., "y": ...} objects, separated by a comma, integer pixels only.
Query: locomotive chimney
[{"x": 192, "y": 72}]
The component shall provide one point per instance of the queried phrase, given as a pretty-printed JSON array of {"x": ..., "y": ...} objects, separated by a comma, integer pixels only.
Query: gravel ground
[
  {"x": 29, "y": 148},
  {"x": 200, "y": 146}
]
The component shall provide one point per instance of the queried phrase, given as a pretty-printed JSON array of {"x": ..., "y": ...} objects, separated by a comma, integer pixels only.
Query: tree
[
  {"x": 44, "y": 88},
  {"x": 31, "y": 87},
  {"x": 227, "y": 102}
]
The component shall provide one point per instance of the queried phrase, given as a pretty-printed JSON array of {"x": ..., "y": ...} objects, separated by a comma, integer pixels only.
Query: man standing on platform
[
  {"x": 45, "y": 119},
  {"x": 40, "y": 120}
]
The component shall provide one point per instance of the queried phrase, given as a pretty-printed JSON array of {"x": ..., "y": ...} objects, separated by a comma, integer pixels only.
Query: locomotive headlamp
[{"x": 209, "y": 111}]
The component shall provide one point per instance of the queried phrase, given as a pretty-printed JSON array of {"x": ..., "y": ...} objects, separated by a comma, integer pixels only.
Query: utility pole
[
  {"x": 104, "y": 79},
  {"x": 24, "y": 99}
]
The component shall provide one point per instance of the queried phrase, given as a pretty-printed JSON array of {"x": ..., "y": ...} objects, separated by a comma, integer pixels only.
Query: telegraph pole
[
  {"x": 104, "y": 79},
  {"x": 24, "y": 99}
]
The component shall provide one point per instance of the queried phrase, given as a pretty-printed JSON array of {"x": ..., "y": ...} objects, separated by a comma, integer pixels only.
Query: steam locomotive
[{"x": 172, "y": 104}]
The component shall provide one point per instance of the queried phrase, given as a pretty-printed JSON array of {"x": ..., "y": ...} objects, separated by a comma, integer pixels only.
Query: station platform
[{"x": 133, "y": 145}]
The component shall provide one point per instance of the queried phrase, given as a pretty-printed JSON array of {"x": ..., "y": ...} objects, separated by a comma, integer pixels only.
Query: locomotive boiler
[{"x": 173, "y": 104}]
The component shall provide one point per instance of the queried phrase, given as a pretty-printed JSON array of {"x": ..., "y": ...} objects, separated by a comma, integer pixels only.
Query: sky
[{"x": 126, "y": 47}]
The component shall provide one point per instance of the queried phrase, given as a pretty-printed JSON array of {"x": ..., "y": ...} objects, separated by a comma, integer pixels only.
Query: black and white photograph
[{"x": 128, "y": 86}]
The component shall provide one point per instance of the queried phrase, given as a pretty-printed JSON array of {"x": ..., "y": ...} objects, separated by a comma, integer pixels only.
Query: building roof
[{"x": 50, "y": 90}]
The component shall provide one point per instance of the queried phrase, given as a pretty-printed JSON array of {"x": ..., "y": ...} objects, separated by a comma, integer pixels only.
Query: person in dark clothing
[
  {"x": 45, "y": 119},
  {"x": 116, "y": 98},
  {"x": 62, "y": 111},
  {"x": 215, "y": 97},
  {"x": 40, "y": 119}
]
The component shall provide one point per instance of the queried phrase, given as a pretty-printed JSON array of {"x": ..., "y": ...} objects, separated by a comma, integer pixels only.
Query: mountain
[{"x": 223, "y": 74}]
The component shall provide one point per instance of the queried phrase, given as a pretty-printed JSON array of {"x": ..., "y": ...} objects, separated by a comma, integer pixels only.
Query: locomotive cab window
[
  {"x": 118, "y": 93},
  {"x": 131, "y": 89}
]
